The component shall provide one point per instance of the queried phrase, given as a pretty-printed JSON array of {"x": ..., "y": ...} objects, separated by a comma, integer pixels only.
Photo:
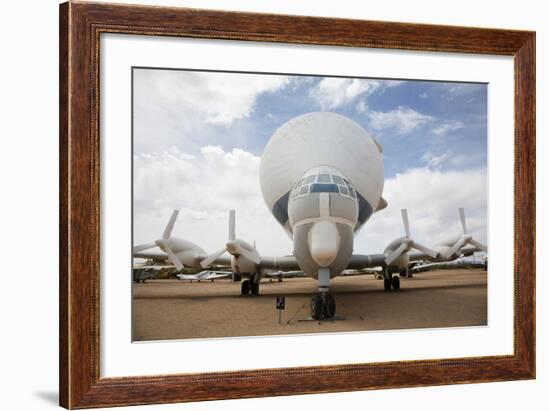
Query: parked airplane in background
[
  {"x": 322, "y": 178},
  {"x": 205, "y": 275}
]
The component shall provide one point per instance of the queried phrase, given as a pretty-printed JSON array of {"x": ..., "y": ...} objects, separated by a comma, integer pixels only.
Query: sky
[{"x": 198, "y": 138}]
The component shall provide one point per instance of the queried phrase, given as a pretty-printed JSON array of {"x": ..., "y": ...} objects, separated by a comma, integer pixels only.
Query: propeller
[
  {"x": 164, "y": 242},
  {"x": 233, "y": 246},
  {"x": 464, "y": 239},
  {"x": 407, "y": 243},
  {"x": 143, "y": 247}
]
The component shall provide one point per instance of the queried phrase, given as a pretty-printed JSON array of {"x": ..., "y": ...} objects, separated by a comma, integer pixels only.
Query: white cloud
[
  {"x": 361, "y": 107},
  {"x": 433, "y": 161},
  {"x": 447, "y": 127},
  {"x": 432, "y": 199},
  {"x": 332, "y": 92},
  {"x": 402, "y": 119},
  {"x": 204, "y": 187},
  {"x": 461, "y": 89},
  {"x": 423, "y": 95},
  {"x": 220, "y": 97}
]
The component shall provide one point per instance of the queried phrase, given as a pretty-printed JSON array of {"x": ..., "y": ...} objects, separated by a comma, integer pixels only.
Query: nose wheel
[{"x": 323, "y": 307}]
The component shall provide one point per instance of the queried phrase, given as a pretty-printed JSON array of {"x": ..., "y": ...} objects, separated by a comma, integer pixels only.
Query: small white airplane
[
  {"x": 322, "y": 178},
  {"x": 205, "y": 275}
]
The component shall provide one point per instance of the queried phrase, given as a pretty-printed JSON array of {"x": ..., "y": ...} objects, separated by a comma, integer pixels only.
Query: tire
[
  {"x": 330, "y": 306},
  {"x": 387, "y": 284},
  {"x": 254, "y": 288},
  {"x": 317, "y": 307},
  {"x": 395, "y": 283},
  {"x": 245, "y": 287}
]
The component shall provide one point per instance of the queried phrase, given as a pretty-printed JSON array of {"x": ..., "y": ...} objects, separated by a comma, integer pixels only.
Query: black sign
[{"x": 280, "y": 303}]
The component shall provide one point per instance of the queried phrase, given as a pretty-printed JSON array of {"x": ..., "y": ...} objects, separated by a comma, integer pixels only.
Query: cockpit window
[
  {"x": 324, "y": 188},
  {"x": 337, "y": 180},
  {"x": 323, "y": 183}
]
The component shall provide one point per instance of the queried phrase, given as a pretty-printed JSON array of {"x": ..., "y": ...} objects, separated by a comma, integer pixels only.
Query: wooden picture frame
[{"x": 80, "y": 27}]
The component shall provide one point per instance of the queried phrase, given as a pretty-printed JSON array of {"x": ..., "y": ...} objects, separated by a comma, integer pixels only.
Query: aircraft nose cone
[{"x": 324, "y": 242}]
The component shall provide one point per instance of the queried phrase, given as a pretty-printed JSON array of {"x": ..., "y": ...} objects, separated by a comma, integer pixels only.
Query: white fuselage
[{"x": 322, "y": 178}]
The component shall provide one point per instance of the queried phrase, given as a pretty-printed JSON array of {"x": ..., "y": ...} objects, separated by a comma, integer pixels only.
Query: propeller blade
[
  {"x": 231, "y": 225},
  {"x": 170, "y": 225},
  {"x": 462, "y": 220},
  {"x": 173, "y": 258},
  {"x": 405, "y": 217},
  {"x": 425, "y": 250},
  {"x": 207, "y": 262},
  {"x": 143, "y": 247},
  {"x": 396, "y": 253},
  {"x": 454, "y": 249},
  {"x": 254, "y": 257},
  {"x": 478, "y": 245}
]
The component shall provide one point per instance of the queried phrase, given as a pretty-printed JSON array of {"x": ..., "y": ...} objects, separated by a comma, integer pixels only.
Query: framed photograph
[{"x": 261, "y": 205}]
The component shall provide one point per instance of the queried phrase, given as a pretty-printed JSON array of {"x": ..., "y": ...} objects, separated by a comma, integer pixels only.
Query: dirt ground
[{"x": 173, "y": 309}]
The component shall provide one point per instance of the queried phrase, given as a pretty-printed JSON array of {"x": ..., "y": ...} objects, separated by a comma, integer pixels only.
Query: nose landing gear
[{"x": 323, "y": 306}]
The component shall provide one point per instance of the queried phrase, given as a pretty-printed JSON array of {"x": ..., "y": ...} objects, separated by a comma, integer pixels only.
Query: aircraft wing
[
  {"x": 214, "y": 275},
  {"x": 359, "y": 261},
  {"x": 286, "y": 263},
  {"x": 418, "y": 256},
  {"x": 189, "y": 277},
  {"x": 152, "y": 267},
  {"x": 283, "y": 274},
  {"x": 151, "y": 255}
]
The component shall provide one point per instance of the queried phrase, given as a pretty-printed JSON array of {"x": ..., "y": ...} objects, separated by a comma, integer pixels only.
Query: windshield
[{"x": 323, "y": 183}]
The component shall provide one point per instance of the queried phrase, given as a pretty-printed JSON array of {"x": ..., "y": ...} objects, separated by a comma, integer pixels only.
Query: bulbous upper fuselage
[{"x": 322, "y": 178}]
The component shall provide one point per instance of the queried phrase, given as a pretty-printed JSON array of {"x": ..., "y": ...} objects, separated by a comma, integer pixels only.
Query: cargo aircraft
[{"x": 322, "y": 178}]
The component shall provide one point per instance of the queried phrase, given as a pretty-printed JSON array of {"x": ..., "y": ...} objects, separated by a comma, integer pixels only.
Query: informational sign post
[{"x": 280, "y": 305}]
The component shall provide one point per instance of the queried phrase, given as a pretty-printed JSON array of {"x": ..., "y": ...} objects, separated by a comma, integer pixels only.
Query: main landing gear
[
  {"x": 250, "y": 287},
  {"x": 392, "y": 282}
]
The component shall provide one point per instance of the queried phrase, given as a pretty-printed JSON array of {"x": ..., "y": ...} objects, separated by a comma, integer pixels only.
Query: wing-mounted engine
[
  {"x": 180, "y": 252},
  {"x": 397, "y": 251}
]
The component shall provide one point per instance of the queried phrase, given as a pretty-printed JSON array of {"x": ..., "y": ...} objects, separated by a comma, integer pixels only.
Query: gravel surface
[{"x": 173, "y": 309}]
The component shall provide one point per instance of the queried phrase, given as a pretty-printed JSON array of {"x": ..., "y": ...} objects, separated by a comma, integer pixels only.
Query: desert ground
[{"x": 174, "y": 309}]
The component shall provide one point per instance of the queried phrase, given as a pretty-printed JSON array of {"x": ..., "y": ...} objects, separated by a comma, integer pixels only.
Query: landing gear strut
[{"x": 323, "y": 305}]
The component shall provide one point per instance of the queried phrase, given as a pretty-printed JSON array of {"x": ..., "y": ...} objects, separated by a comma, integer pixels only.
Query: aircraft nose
[{"x": 324, "y": 242}]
